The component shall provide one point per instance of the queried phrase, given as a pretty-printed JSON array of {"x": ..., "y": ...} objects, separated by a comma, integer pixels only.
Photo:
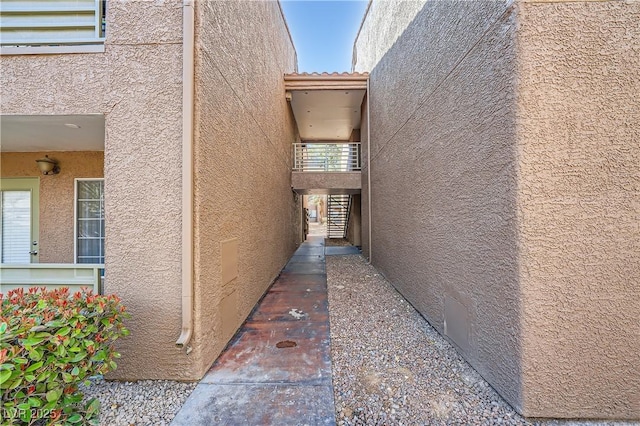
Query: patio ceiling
[
  {"x": 327, "y": 107},
  {"x": 34, "y": 133}
]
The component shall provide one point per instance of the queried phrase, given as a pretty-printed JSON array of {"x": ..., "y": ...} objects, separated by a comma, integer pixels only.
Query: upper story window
[{"x": 52, "y": 26}]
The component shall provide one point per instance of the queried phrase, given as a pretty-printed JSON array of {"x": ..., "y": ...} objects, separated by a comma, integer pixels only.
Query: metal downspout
[
  {"x": 369, "y": 165},
  {"x": 188, "y": 71}
]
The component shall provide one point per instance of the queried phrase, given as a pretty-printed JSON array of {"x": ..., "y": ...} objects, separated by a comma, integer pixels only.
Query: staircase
[{"x": 338, "y": 209}]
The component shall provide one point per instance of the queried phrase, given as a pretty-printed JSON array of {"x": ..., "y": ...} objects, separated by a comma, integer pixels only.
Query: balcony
[
  {"x": 52, "y": 227},
  {"x": 51, "y": 275},
  {"x": 326, "y": 167},
  {"x": 326, "y": 157},
  {"x": 46, "y": 27}
]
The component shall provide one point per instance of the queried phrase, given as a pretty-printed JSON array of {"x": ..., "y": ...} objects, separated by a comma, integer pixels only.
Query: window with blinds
[
  {"x": 51, "y": 22},
  {"x": 15, "y": 226},
  {"x": 89, "y": 221}
]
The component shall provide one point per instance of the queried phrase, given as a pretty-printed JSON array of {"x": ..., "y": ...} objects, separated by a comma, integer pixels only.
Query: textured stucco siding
[
  {"x": 383, "y": 24},
  {"x": 433, "y": 42},
  {"x": 55, "y": 242},
  {"x": 579, "y": 206},
  {"x": 54, "y": 84},
  {"x": 137, "y": 84},
  {"x": 326, "y": 182},
  {"x": 143, "y": 190},
  {"x": 244, "y": 132},
  {"x": 143, "y": 208},
  {"x": 505, "y": 192},
  {"x": 443, "y": 178}
]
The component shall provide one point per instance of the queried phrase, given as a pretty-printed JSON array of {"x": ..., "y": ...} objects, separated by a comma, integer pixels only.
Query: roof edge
[
  {"x": 354, "y": 58},
  {"x": 326, "y": 81},
  {"x": 325, "y": 76}
]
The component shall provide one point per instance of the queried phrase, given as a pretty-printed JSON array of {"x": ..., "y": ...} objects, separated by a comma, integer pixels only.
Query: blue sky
[{"x": 323, "y": 32}]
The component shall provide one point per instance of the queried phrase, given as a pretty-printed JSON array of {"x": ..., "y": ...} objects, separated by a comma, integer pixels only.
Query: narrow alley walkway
[
  {"x": 277, "y": 369},
  {"x": 387, "y": 365}
]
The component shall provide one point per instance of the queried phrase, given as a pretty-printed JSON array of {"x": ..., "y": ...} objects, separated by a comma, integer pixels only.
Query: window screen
[{"x": 90, "y": 221}]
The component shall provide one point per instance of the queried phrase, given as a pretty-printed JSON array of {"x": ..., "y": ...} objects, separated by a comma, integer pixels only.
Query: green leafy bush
[{"x": 50, "y": 342}]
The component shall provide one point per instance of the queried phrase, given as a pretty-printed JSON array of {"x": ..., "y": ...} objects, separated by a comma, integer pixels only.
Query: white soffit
[
  {"x": 327, "y": 114},
  {"x": 36, "y": 133}
]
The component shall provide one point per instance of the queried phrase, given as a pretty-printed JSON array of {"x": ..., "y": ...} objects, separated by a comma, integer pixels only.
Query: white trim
[
  {"x": 75, "y": 219},
  {"x": 75, "y": 214},
  {"x": 51, "y": 275},
  {"x": 98, "y": 19},
  {"x": 49, "y": 41},
  {"x": 48, "y": 25},
  {"x": 25, "y": 8},
  {"x": 51, "y": 50}
]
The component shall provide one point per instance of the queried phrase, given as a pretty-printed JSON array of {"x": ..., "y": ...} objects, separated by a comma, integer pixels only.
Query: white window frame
[{"x": 75, "y": 213}]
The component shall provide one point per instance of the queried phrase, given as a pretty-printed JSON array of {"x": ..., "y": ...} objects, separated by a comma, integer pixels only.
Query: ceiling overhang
[
  {"x": 325, "y": 81},
  {"x": 37, "y": 133},
  {"x": 327, "y": 107}
]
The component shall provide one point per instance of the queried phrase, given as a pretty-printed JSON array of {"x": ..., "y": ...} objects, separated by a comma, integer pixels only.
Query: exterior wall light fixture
[{"x": 48, "y": 166}]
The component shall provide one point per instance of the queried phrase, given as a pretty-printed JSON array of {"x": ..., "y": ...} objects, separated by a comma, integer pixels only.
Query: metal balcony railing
[
  {"x": 52, "y": 23},
  {"x": 326, "y": 157}
]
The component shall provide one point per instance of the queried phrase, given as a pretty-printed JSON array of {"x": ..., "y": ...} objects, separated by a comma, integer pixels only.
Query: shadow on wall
[{"x": 444, "y": 178}]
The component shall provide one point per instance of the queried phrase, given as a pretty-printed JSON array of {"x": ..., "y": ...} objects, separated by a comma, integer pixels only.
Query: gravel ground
[
  {"x": 143, "y": 403},
  {"x": 336, "y": 242},
  {"x": 390, "y": 367}
]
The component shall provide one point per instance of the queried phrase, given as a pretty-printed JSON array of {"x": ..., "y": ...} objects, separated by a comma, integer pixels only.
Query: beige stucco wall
[
  {"x": 383, "y": 23},
  {"x": 326, "y": 183},
  {"x": 244, "y": 132},
  {"x": 443, "y": 177},
  {"x": 505, "y": 207},
  {"x": 137, "y": 85},
  {"x": 143, "y": 184},
  {"x": 579, "y": 208},
  {"x": 55, "y": 242}
]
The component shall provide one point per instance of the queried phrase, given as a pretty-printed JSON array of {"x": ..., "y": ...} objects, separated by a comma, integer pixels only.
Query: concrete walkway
[
  {"x": 277, "y": 368},
  {"x": 341, "y": 250}
]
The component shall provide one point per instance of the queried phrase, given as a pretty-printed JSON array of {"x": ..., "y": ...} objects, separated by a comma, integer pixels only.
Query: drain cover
[{"x": 286, "y": 344}]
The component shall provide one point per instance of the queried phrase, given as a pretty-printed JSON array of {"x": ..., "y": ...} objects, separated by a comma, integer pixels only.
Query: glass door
[{"x": 19, "y": 220}]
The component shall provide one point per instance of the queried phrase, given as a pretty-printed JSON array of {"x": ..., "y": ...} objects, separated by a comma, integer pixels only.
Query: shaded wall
[
  {"x": 55, "y": 242},
  {"x": 137, "y": 84},
  {"x": 505, "y": 188},
  {"x": 354, "y": 227},
  {"x": 247, "y": 220},
  {"x": 325, "y": 182},
  {"x": 364, "y": 193},
  {"x": 579, "y": 207},
  {"x": 444, "y": 175}
]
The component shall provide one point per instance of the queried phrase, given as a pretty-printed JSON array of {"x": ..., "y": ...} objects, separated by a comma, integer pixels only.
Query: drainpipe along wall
[
  {"x": 188, "y": 72},
  {"x": 369, "y": 163}
]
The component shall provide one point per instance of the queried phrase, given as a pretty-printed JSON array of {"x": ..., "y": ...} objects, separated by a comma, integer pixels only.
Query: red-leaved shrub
[{"x": 50, "y": 342}]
